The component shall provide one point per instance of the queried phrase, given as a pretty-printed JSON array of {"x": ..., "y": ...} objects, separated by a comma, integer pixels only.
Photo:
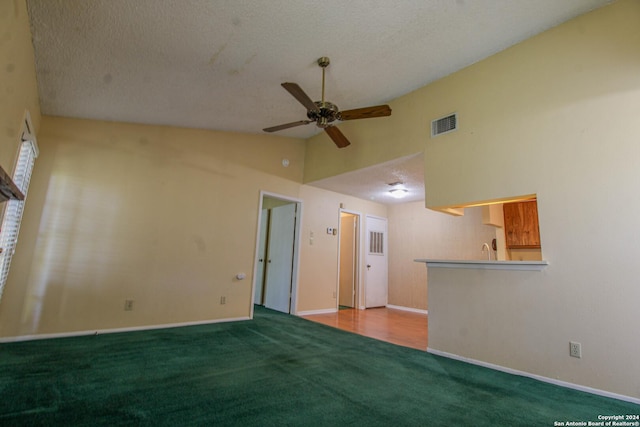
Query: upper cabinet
[{"x": 521, "y": 225}]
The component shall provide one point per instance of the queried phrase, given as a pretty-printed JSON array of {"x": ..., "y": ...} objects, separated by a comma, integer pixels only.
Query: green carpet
[{"x": 275, "y": 370}]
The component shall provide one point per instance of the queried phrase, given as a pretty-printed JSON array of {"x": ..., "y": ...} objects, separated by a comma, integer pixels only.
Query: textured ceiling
[
  {"x": 372, "y": 183},
  {"x": 218, "y": 64}
]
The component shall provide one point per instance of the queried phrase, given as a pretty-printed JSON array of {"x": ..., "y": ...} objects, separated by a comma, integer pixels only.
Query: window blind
[{"x": 13, "y": 211}]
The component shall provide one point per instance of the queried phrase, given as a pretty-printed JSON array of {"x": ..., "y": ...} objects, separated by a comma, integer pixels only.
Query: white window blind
[{"x": 13, "y": 211}]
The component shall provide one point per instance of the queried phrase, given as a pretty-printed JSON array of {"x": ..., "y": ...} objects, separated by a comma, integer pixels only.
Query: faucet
[{"x": 486, "y": 246}]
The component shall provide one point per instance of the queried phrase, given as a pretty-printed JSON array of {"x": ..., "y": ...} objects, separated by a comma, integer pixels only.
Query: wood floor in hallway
[{"x": 399, "y": 327}]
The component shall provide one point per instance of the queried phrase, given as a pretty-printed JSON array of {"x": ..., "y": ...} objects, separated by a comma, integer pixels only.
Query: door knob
[
  {"x": 368, "y": 266},
  {"x": 260, "y": 260}
]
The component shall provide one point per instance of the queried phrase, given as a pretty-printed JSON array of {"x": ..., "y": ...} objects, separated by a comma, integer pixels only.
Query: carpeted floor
[{"x": 275, "y": 370}]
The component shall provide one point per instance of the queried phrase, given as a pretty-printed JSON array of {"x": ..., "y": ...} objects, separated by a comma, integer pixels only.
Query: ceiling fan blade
[
  {"x": 365, "y": 113},
  {"x": 300, "y": 95},
  {"x": 287, "y": 125},
  {"x": 338, "y": 137}
]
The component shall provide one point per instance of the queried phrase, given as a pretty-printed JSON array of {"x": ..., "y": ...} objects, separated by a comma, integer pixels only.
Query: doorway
[
  {"x": 349, "y": 260},
  {"x": 276, "y": 264}
]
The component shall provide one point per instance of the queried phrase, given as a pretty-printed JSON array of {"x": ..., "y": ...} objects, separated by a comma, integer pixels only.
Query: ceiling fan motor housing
[{"x": 327, "y": 112}]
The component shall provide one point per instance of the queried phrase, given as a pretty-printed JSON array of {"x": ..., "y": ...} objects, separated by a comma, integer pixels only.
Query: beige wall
[
  {"x": 380, "y": 140},
  {"x": 164, "y": 216},
  {"x": 319, "y": 257},
  {"x": 18, "y": 87},
  {"x": 416, "y": 232},
  {"x": 556, "y": 116}
]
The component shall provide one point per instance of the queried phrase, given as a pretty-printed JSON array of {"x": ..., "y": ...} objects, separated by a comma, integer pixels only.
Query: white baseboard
[
  {"x": 322, "y": 311},
  {"x": 553, "y": 381},
  {"x": 413, "y": 310},
  {"x": 115, "y": 330}
]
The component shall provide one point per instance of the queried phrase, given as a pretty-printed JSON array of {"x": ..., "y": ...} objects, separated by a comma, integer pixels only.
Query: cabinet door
[
  {"x": 521, "y": 225},
  {"x": 531, "y": 229}
]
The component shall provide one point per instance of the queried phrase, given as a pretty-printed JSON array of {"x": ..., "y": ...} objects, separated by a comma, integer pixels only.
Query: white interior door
[
  {"x": 376, "y": 276},
  {"x": 262, "y": 257},
  {"x": 281, "y": 236}
]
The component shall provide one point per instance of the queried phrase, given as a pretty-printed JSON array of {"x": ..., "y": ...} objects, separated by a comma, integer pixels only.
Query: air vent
[
  {"x": 444, "y": 125},
  {"x": 376, "y": 243}
]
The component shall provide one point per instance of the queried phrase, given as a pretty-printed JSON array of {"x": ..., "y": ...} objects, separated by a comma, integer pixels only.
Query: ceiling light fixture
[{"x": 398, "y": 191}]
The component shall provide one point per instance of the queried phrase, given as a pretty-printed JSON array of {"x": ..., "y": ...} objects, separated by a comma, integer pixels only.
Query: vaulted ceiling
[{"x": 218, "y": 64}]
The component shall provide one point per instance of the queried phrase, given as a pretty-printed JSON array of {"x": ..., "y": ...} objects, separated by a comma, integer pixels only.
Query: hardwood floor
[{"x": 395, "y": 326}]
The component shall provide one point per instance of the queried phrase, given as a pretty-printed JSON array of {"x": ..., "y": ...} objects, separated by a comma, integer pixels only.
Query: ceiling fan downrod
[
  {"x": 326, "y": 112},
  {"x": 324, "y": 63}
]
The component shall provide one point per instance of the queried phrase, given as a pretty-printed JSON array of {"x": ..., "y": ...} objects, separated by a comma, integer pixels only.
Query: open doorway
[
  {"x": 277, "y": 244},
  {"x": 348, "y": 260}
]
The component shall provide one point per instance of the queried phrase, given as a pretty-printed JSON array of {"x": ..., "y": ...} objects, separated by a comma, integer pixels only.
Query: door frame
[
  {"x": 293, "y": 309},
  {"x": 357, "y": 299},
  {"x": 262, "y": 252}
]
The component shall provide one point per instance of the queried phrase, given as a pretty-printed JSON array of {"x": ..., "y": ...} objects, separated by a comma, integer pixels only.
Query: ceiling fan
[{"x": 324, "y": 113}]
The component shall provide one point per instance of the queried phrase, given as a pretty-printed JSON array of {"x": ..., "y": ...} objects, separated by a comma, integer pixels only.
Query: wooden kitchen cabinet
[{"x": 521, "y": 225}]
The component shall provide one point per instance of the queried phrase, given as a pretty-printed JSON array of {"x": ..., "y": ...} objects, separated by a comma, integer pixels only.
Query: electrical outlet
[
  {"x": 223, "y": 300},
  {"x": 575, "y": 349},
  {"x": 128, "y": 305}
]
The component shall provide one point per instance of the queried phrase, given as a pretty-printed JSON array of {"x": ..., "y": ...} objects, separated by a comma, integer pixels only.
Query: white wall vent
[{"x": 444, "y": 125}]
